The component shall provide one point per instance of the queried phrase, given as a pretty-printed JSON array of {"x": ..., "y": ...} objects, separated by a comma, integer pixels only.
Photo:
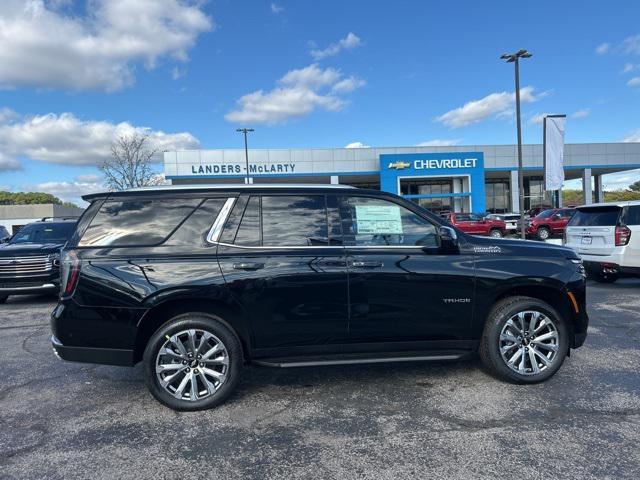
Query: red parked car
[
  {"x": 549, "y": 223},
  {"x": 477, "y": 225}
]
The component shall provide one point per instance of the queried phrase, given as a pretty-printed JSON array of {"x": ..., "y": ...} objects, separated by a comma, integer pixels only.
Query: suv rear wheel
[
  {"x": 525, "y": 340},
  {"x": 495, "y": 232},
  {"x": 193, "y": 362}
]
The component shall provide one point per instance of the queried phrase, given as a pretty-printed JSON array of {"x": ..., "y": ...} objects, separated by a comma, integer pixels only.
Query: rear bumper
[
  {"x": 103, "y": 356},
  {"x": 610, "y": 267}
]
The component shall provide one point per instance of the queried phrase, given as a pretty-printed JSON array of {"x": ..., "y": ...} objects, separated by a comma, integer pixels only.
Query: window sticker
[{"x": 378, "y": 220}]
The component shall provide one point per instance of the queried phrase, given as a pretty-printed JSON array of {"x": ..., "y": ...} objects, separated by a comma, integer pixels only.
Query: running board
[{"x": 297, "y": 362}]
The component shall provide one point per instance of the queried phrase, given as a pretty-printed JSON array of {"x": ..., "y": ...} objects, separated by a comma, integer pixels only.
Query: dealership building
[{"x": 471, "y": 178}]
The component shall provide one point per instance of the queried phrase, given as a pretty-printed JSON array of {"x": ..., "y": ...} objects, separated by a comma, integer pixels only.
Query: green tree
[
  {"x": 635, "y": 186},
  {"x": 27, "y": 198}
]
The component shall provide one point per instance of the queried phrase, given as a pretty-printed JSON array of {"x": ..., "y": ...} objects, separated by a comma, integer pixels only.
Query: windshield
[
  {"x": 545, "y": 214},
  {"x": 44, "y": 233}
]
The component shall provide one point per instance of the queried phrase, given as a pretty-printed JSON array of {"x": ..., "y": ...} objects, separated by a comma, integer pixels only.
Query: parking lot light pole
[
  {"x": 514, "y": 58},
  {"x": 246, "y": 150}
]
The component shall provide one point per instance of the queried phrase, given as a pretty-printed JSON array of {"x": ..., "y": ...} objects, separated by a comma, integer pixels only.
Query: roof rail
[{"x": 45, "y": 219}]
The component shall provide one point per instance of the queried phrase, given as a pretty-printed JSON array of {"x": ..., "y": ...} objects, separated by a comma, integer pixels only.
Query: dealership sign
[
  {"x": 238, "y": 169},
  {"x": 398, "y": 167},
  {"x": 427, "y": 164}
]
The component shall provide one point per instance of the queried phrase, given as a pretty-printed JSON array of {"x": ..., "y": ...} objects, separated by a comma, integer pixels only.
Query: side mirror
[{"x": 448, "y": 236}]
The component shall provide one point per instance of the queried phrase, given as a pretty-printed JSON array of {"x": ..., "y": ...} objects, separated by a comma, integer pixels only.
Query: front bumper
[{"x": 22, "y": 289}]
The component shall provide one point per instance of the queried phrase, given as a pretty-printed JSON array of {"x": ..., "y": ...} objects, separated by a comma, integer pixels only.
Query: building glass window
[
  {"x": 497, "y": 195},
  {"x": 534, "y": 194}
]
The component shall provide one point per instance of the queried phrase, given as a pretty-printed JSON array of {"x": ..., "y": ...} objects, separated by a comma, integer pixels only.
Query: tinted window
[
  {"x": 568, "y": 213},
  {"x": 546, "y": 214},
  {"x": 194, "y": 230},
  {"x": 44, "y": 233},
  {"x": 232, "y": 223},
  {"x": 294, "y": 220},
  {"x": 374, "y": 221},
  {"x": 249, "y": 231},
  {"x": 137, "y": 222},
  {"x": 595, "y": 217},
  {"x": 463, "y": 218},
  {"x": 633, "y": 215}
]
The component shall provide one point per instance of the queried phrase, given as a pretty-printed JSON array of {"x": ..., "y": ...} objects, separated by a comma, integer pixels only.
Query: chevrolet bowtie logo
[{"x": 399, "y": 165}]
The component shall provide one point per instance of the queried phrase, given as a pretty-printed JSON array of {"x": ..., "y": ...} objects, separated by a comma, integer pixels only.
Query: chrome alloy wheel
[
  {"x": 529, "y": 342},
  {"x": 192, "y": 364}
]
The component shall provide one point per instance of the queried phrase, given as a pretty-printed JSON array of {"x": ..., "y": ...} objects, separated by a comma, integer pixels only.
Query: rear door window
[
  {"x": 596, "y": 217},
  {"x": 249, "y": 232},
  {"x": 294, "y": 220},
  {"x": 137, "y": 222}
]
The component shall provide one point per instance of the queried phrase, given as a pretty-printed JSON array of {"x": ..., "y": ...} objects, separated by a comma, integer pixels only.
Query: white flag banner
[{"x": 554, "y": 151}]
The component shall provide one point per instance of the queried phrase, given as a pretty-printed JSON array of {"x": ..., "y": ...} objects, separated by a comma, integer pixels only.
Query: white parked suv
[{"x": 607, "y": 237}]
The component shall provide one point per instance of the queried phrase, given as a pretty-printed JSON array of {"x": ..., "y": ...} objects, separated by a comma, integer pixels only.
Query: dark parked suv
[
  {"x": 197, "y": 281},
  {"x": 29, "y": 262}
]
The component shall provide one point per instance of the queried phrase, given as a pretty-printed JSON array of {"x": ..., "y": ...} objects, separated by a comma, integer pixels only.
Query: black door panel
[{"x": 295, "y": 298}]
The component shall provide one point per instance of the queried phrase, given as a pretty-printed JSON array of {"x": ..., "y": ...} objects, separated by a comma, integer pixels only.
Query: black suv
[
  {"x": 29, "y": 262},
  {"x": 197, "y": 281}
]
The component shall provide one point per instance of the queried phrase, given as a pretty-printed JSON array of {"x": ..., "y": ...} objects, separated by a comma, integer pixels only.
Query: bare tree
[{"x": 130, "y": 163}]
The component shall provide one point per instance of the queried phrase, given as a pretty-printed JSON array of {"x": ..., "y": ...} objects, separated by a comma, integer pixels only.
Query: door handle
[
  {"x": 363, "y": 264},
  {"x": 248, "y": 266}
]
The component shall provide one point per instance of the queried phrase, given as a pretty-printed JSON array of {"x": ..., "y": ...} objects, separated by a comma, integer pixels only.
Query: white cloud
[
  {"x": 66, "y": 191},
  {"x": 177, "y": 73},
  {"x": 275, "y": 8},
  {"x": 300, "y": 92},
  {"x": 438, "y": 143},
  {"x": 349, "y": 42},
  {"x": 582, "y": 113},
  {"x": 629, "y": 67},
  {"x": 634, "y": 82},
  {"x": 494, "y": 105},
  {"x": 620, "y": 180},
  {"x": 603, "y": 48},
  {"x": 357, "y": 145},
  {"x": 632, "y": 44},
  {"x": 634, "y": 136},
  {"x": 8, "y": 164},
  {"x": 348, "y": 85},
  {"x": 89, "y": 178},
  {"x": 67, "y": 140},
  {"x": 42, "y": 46}
]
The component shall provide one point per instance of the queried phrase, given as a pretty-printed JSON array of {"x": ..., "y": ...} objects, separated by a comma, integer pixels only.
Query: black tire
[
  {"x": 543, "y": 233},
  {"x": 3, "y": 299},
  {"x": 495, "y": 233},
  {"x": 490, "y": 343},
  {"x": 207, "y": 323},
  {"x": 601, "y": 277}
]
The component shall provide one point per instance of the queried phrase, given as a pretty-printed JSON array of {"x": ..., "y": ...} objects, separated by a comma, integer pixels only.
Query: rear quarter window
[
  {"x": 136, "y": 222},
  {"x": 596, "y": 217},
  {"x": 632, "y": 216}
]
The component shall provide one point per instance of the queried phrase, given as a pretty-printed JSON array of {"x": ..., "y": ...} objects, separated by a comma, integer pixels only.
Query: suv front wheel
[
  {"x": 525, "y": 340},
  {"x": 193, "y": 362}
]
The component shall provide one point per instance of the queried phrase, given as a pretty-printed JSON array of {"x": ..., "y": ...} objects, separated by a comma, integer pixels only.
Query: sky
[{"x": 75, "y": 75}]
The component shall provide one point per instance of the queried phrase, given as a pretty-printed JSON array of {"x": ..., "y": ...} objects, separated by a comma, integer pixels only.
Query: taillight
[
  {"x": 623, "y": 235},
  {"x": 69, "y": 273}
]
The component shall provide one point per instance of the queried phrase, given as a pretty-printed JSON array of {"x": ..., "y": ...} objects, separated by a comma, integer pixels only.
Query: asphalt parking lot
[{"x": 445, "y": 420}]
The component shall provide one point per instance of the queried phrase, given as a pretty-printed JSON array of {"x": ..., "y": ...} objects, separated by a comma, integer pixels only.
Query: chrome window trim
[
  {"x": 354, "y": 247},
  {"x": 216, "y": 229}
]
